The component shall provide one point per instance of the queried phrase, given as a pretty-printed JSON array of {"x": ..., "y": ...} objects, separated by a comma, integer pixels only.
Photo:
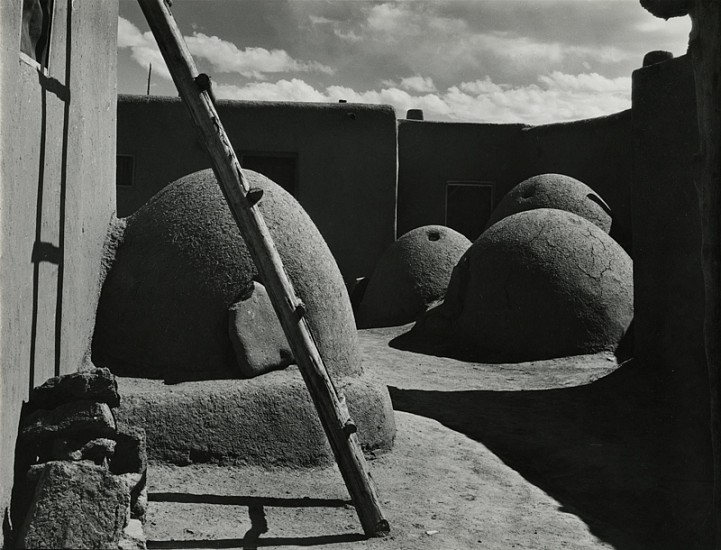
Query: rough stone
[
  {"x": 554, "y": 191},
  {"x": 77, "y": 419},
  {"x": 96, "y": 450},
  {"x": 412, "y": 274},
  {"x": 163, "y": 310},
  {"x": 76, "y": 505},
  {"x": 65, "y": 448},
  {"x": 131, "y": 455},
  {"x": 138, "y": 490},
  {"x": 139, "y": 506},
  {"x": 95, "y": 385},
  {"x": 540, "y": 284},
  {"x": 258, "y": 339}
]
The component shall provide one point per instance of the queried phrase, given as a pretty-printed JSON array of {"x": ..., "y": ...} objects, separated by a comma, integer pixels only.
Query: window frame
[
  {"x": 132, "y": 171},
  {"x": 42, "y": 66}
]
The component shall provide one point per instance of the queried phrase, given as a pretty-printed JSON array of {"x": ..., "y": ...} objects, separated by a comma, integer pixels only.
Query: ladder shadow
[
  {"x": 246, "y": 544},
  {"x": 234, "y": 500},
  {"x": 252, "y": 540}
]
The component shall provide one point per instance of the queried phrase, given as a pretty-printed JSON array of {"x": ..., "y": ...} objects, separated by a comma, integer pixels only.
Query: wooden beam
[{"x": 290, "y": 310}]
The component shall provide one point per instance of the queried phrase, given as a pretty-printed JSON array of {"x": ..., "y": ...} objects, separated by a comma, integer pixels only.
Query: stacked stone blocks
[{"x": 80, "y": 475}]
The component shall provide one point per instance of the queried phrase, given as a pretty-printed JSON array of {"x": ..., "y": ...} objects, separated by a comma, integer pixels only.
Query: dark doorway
[
  {"x": 280, "y": 167},
  {"x": 468, "y": 206}
]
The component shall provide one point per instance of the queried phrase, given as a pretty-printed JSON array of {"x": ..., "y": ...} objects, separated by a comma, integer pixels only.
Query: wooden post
[{"x": 290, "y": 310}]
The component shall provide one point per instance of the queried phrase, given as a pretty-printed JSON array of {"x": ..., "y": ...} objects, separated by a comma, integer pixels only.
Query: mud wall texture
[
  {"x": 57, "y": 149},
  {"x": 668, "y": 273},
  {"x": 432, "y": 153},
  {"x": 595, "y": 151},
  {"x": 667, "y": 225},
  {"x": 343, "y": 157}
]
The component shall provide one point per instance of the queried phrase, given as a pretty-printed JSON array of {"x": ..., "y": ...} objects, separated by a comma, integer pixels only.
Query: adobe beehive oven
[
  {"x": 164, "y": 313},
  {"x": 412, "y": 273},
  {"x": 164, "y": 307},
  {"x": 540, "y": 284},
  {"x": 554, "y": 191}
]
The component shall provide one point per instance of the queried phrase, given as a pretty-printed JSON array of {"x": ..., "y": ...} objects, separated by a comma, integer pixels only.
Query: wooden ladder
[{"x": 195, "y": 91}]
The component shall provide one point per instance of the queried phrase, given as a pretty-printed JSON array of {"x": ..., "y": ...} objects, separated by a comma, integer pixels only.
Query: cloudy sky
[{"x": 532, "y": 61}]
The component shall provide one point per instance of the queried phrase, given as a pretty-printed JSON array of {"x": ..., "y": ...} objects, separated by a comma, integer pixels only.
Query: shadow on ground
[
  {"x": 250, "y": 542},
  {"x": 428, "y": 338},
  {"x": 258, "y": 523},
  {"x": 611, "y": 452}
]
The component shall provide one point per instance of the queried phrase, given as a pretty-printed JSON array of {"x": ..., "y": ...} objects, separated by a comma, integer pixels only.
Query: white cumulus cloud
[
  {"x": 418, "y": 84},
  {"x": 226, "y": 57},
  {"x": 223, "y": 56},
  {"x": 555, "y": 97},
  {"x": 144, "y": 50},
  {"x": 592, "y": 82},
  {"x": 478, "y": 87},
  {"x": 282, "y": 90}
]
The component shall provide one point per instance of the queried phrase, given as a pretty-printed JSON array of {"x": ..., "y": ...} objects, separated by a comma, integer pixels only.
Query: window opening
[
  {"x": 124, "y": 170},
  {"x": 35, "y": 30}
]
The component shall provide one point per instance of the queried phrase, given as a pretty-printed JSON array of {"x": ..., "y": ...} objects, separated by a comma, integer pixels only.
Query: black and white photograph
[{"x": 360, "y": 274}]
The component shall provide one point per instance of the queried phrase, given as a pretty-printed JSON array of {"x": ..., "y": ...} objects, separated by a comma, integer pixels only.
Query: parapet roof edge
[
  {"x": 520, "y": 125},
  {"x": 131, "y": 98},
  {"x": 582, "y": 121}
]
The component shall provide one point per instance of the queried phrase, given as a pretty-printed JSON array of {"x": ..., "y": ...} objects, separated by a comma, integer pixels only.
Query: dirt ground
[{"x": 560, "y": 454}]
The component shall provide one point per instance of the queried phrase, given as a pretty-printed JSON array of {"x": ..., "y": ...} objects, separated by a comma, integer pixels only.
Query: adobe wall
[
  {"x": 56, "y": 200},
  {"x": 432, "y": 153},
  {"x": 668, "y": 275},
  {"x": 667, "y": 227},
  {"x": 596, "y": 151},
  {"x": 346, "y": 162}
]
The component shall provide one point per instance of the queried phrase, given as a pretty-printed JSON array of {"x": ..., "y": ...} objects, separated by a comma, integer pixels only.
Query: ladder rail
[{"x": 242, "y": 201}]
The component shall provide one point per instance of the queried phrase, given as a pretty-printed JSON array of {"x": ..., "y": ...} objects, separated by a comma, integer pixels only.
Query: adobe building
[
  {"x": 364, "y": 177},
  {"x": 455, "y": 173},
  {"x": 338, "y": 160},
  {"x": 57, "y": 198}
]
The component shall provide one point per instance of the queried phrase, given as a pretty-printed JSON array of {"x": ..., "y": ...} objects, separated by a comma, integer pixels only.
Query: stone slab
[{"x": 258, "y": 340}]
